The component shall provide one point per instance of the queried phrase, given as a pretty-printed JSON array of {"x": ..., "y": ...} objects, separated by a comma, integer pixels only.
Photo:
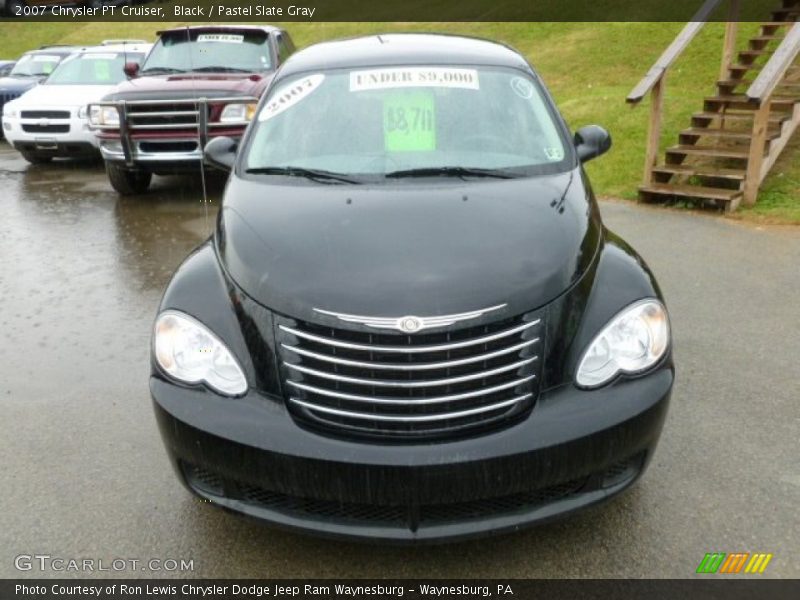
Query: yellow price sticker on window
[
  {"x": 102, "y": 70},
  {"x": 409, "y": 122}
]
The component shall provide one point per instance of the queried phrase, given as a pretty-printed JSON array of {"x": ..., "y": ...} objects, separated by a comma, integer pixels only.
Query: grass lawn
[{"x": 589, "y": 67}]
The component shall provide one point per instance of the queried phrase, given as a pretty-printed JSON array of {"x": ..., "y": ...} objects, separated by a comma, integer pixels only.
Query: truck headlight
[
  {"x": 188, "y": 351},
  {"x": 237, "y": 113},
  {"x": 100, "y": 116},
  {"x": 632, "y": 342}
]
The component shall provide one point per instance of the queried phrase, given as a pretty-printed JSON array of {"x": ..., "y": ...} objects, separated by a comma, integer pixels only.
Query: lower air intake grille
[{"x": 451, "y": 381}]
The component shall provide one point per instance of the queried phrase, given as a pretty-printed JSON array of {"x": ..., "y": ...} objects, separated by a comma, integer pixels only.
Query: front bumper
[
  {"x": 77, "y": 140},
  {"x": 576, "y": 448}
]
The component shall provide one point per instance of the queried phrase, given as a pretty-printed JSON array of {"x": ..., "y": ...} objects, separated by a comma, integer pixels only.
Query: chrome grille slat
[
  {"x": 405, "y": 418},
  {"x": 411, "y": 367},
  {"x": 411, "y": 384},
  {"x": 412, "y": 401},
  {"x": 410, "y": 349},
  {"x": 426, "y": 384}
]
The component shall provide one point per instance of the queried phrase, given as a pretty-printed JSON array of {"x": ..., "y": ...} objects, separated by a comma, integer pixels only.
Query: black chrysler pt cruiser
[{"x": 410, "y": 323}]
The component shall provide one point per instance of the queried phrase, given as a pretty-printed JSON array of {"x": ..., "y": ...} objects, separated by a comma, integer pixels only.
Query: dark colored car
[
  {"x": 197, "y": 83},
  {"x": 31, "y": 69},
  {"x": 5, "y": 67},
  {"x": 410, "y": 323}
]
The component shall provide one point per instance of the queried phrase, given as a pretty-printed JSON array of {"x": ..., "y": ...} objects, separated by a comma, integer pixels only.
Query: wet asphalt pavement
[{"x": 84, "y": 474}]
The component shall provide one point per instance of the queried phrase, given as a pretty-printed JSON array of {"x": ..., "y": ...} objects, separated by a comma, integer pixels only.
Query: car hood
[
  {"x": 211, "y": 85},
  {"x": 64, "y": 95},
  {"x": 408, "y": 249},
  {"x": 17, "y": 84}
]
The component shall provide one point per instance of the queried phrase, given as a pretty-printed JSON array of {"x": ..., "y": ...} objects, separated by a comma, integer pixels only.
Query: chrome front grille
[
  {"x": 159, "y": 116},
  {"x": 432, "y": 384}
]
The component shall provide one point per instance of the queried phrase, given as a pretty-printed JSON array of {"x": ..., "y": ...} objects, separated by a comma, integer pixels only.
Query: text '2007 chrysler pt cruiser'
[{"x": 410, "y": 323}]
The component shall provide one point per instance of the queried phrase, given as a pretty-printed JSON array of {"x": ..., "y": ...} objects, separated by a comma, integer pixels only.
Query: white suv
[{"x": 51, "y": 120}]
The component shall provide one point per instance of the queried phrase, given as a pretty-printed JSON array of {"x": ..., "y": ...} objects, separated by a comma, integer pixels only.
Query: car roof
[
  {"x": 60, "y": 50},
  {"x": 226, "y": 27},
  {"x": 136, "y": 48},
  {"x": 403, "y": 49}
]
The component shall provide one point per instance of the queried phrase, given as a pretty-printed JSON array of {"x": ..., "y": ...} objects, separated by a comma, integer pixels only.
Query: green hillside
[{"x": 589, "y": 67}]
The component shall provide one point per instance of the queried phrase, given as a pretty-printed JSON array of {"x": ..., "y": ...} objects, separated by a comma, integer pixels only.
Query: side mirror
[
  {"x": 221, "y": 153},
  {"x": 131, "y": 69},
  {"x": 591, "y": 141}
]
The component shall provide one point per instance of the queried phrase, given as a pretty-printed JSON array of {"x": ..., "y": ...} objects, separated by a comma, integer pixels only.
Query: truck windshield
[
  {"x": 93, "y": 69},
  {"x": 198, "y": 50},
  {"x": 35, "y": 65},
  {"x": 398, "y": 122}
]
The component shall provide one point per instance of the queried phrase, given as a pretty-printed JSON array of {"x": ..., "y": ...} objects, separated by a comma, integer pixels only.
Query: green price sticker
[
  {"x": 409, "y": 123},
  {"x": 102, "y": 70}
]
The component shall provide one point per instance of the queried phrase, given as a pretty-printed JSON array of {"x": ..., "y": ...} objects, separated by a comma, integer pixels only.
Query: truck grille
[
  {"x": 44, "y": 114},
  {"x": 160, "y": 116},
  {"x": 54, "y": 128},
  {"x": 423, "y": 385}
]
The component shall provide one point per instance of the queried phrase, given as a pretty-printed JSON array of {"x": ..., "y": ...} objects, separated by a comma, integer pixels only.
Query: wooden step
[
  {"x": 766, "y": 38},
  {"x": 682, "y": 150},
  {"x": 754, "y": 53},
  {"x": 726, "y": 134},
  {"x": 691, "y": 191},
  {"x": 741, "y": 101},
  {"x": 774, "y": 118},
  {"x": 738, "y": 67},
  {"x": 701, "y": 171}
]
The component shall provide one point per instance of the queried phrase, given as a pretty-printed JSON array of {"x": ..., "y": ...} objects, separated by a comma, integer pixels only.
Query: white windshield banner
[{"x": 403, "y": 77}]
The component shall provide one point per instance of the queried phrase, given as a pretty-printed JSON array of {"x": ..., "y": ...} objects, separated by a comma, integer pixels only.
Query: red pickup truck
[{"x": 196, "y": 83}]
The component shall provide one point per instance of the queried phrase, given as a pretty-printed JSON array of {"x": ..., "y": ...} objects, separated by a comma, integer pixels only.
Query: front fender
[
  {"x": 617, "y": 278},
  {"x": 200, "y": 288}
]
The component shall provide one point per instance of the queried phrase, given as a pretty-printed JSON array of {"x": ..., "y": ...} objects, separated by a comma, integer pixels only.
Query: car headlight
[
  {"x": 632, "y": 342},
  {"x": 83, "y": 112},
  {"x": 100, "y": 116},
  {"x": 237, "y": 113},
  {"x": 9, "y": 111},
  {"x": 188, "y": 351}
]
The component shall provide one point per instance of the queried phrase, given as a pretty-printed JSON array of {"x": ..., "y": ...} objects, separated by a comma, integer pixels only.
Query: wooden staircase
[{"x": 730, "y": 146}]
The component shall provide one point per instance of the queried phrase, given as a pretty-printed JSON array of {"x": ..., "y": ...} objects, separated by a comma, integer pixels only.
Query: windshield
[
  {"x": 407, "y": 121},
  {"x": 36, "y": 65},
  {"x": 93, "y": 69},
  {"x": 191, "y": 50}
]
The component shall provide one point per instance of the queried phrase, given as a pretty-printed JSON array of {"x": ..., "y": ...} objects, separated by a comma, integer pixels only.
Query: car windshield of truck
[
  {"x": 245, "y": 51},
  {"x": 36, "y": 65},
  {"x": 93, "y": 68},
  {"x": 406, "y": 122}
]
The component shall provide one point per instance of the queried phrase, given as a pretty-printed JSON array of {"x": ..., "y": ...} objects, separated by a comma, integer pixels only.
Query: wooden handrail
[
  {"x": 672, "y": 52},
  {"x": 773, "y": 72}
]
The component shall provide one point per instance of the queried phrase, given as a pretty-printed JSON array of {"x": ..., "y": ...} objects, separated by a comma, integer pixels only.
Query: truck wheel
[
  {"x": 128, "y": 182},
  {"x": 35, "y": 158}
]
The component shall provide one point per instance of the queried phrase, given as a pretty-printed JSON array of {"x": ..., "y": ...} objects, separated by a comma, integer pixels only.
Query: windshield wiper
[
  {"x": 314, "y": 174},
  {"x": 152, "y": 70},
  {"x": 221, "y": 70},
  {"x": 449, "y": 172}
]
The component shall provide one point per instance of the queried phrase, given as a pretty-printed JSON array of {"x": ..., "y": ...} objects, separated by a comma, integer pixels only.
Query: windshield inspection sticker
[
  {"x": 401, "y": 77},
  {"x": 554, "y": 154},
  {"x": 409, "y": 122},
  {"x": 289, "y": 95},
  {"x": 522, "y": 88},
  {"x": 225, "y": 38}
]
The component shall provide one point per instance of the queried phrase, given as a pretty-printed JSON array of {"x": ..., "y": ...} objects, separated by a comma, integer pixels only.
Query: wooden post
[
  {"x": 654, "y": 128},
  {"x": 729, "y": 45},
  {"x": 756, "y": 157}
]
